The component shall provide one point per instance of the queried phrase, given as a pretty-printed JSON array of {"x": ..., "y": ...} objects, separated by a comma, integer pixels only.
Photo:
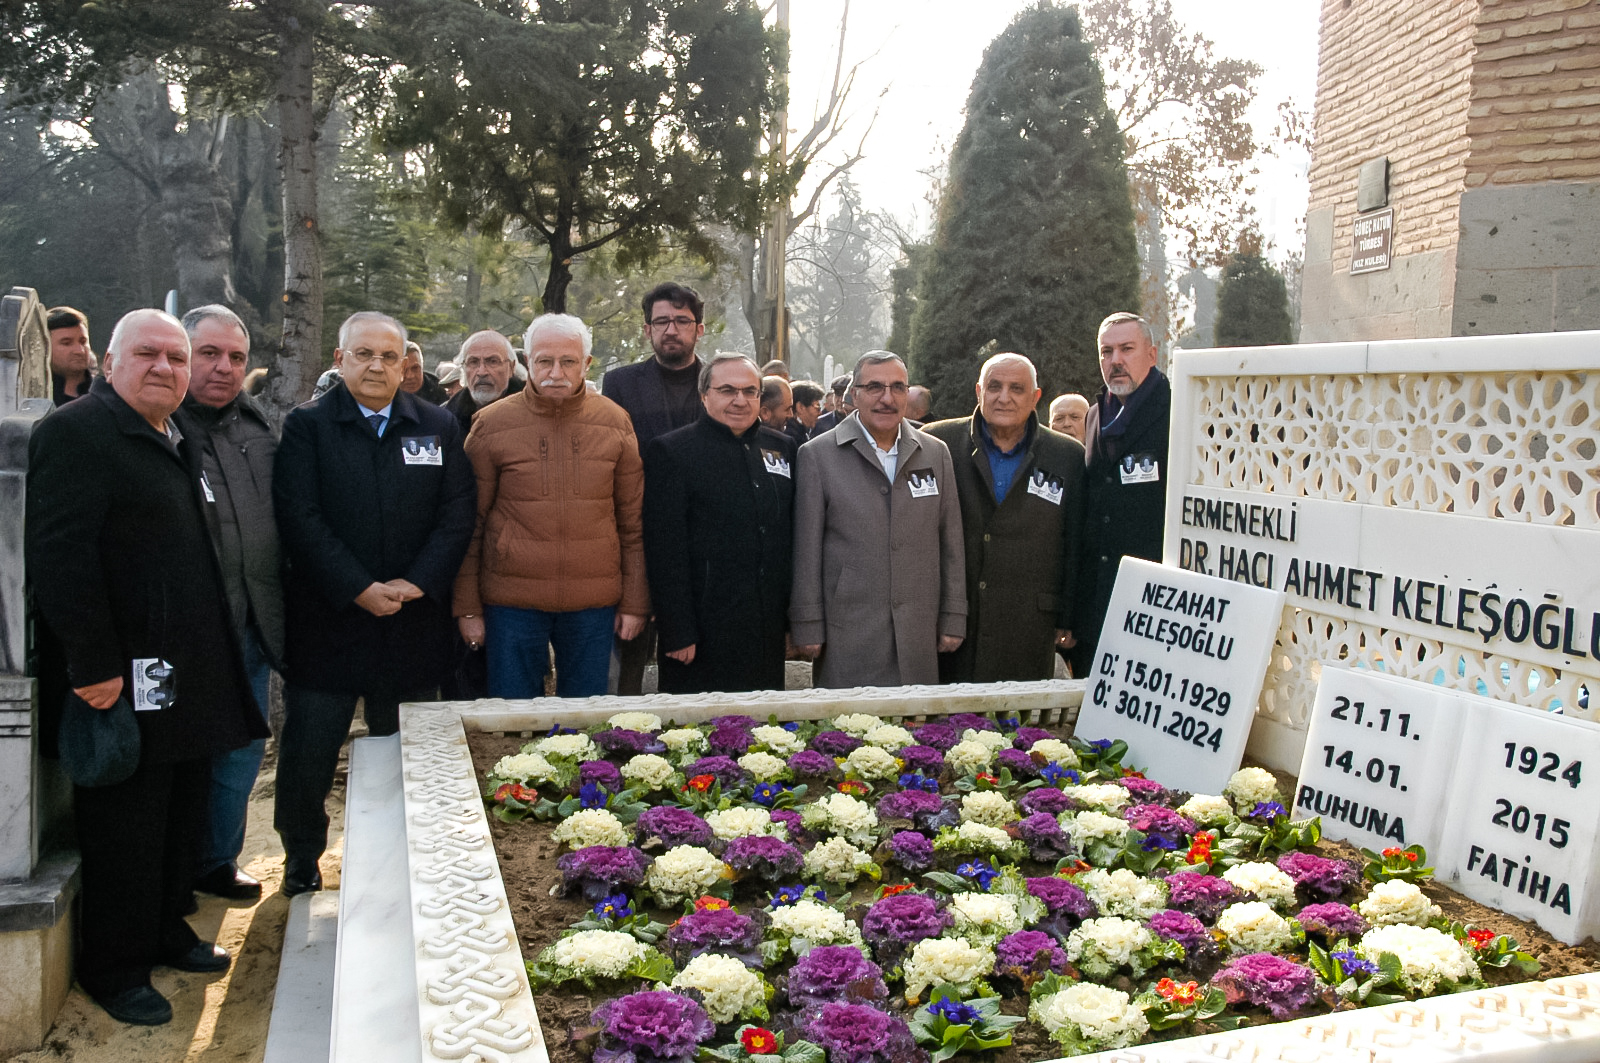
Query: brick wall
[
  {"x": 1535, "y": 109},
  {"x": 1394, "y": 79}
]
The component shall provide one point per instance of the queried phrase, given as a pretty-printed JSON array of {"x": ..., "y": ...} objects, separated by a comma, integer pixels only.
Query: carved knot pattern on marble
[{"x": 462, "y": 923}]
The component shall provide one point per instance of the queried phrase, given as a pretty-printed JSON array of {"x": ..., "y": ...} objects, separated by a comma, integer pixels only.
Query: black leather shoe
[
  {"x": 228, "y": 881},
  {"x": 204, "y": 958},
  {"x": 301, "y": 878},
  {"x": 139, "y": 1006}
]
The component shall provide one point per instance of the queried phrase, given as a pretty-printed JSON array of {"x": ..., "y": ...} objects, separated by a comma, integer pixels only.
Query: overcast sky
[{"x": 919, "y": 57}]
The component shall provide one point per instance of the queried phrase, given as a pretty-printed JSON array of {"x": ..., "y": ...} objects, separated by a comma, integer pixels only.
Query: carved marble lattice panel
[{"x": 1513, "y": 446}]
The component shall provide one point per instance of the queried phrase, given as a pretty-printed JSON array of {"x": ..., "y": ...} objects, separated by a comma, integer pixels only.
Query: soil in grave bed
[{"x": 527, "y": 858}]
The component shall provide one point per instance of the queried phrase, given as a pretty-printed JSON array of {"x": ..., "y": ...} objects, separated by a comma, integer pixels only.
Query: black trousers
[
  {"x": 315, "y": 725},
  {"x": 139, "y": 841},
  {"x": 633, "y": 657}
]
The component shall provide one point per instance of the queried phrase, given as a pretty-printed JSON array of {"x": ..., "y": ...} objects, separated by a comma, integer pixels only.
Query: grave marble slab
[{"x": 1178, "y": 671}]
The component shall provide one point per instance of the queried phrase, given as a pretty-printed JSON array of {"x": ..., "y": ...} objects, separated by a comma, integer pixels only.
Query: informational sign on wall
[
  {"x": 1178, "y": 670},
  {"x": 1505, "y": 799}
]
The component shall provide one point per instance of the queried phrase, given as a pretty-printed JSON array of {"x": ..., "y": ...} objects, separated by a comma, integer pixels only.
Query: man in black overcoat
[
  {"x": 1021, "y": 491},
  {"x": 1125, "y": 440},
  {"x": 718, "y": 538},
  {"x": 375, "y": 503},
  {"x": 123, "y": 569},
  {"x": 659, "y": 394}
]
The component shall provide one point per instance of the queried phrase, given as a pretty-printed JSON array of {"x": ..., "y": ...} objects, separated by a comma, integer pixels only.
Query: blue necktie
[{"x": 376, "y": 420}]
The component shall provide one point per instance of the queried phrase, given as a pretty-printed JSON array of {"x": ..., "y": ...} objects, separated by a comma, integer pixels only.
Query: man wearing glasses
[
  {"x": 486, "y": 360},
  {"x": 879, "y": 576},
  {"x": 718, "y": 509},
  {"x": 375, "y": 503},
  {"x": 660, "y": 394}
]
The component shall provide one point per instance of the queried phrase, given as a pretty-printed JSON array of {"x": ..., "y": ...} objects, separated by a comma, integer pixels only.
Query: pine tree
[
  {"x": 1252, "y": 302},
  {"x": 1035, "y": 240}
]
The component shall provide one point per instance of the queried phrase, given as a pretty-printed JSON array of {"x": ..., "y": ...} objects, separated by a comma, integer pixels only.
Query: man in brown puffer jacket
[{"x": 558, "y": 554}]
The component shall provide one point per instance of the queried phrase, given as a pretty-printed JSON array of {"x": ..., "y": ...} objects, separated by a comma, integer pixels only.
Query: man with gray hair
[
  {"x": 557, "y": 557},
  {"x": 1067, "y": 413},
  {"x": 1021, "y": 491},
  {"x": 237, "y": 450},
  {"x": 879, "y": 585},
  {"x": 486, "y": 362},
  {"x": 1125, "y": 505},
  {"x": 375, "y": 503}
]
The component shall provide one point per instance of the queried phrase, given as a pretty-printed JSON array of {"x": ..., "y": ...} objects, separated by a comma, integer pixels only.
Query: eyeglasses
[
  {"x": 486, "y": 363},
  {"x": 728, "y": 392},
  {"x": 667, "y": 324},
  {"x": 876, "y": 389},
  {"x": 390, "y": 359}
]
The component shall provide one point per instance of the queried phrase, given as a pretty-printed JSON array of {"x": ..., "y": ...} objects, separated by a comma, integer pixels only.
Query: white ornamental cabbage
[
  {"x": 1254, "y": 927},
  {"x": 1208, "y": 810},
  {"x": 683, "y": 740},
  {"x": 993, "y": 739},
  {"x": 1427, "y": 956},
  {"x": 836, "y": 860},
  {"x": 1264, "y": 880},
  {"x": 982, "y": 838},
  {"x": 683, "y": 871},
  {"x": 1393, "y": 902},
  {"x": 763, "y": 767},
  {"x": 591, "y": 826},
  {"x": 576, "y": 747},
  {"x": 1121, "y": 892},
  {"x": 968, "y": 758},
  {"x": 1100, "y": 796},
  {"x": 728, "y": 988},
  {"x": 857, "y": 724},
  {"x": 595, "y": 953},
  {"x": 778, "y": 740},
  {"x": 1249, "y": 787},
  {"x": 984, "y": 918},
  {"x": 643, "y": 722},
  {"x": 1107, "y": 943},
  {"x": 890, "y": 737},
  {"x": 1105, "y": 1017},
  {"x": 1088, "y": 827},
  {"x": 731, "y": 823},
  {"x": 989, "y": 807},
  {"x": 850, "y": 817},
  {"x": 952, "y": 961},
  {"x": 1056, "y": 752},
  {"x": 809, "y": 923},
  {"x": 872, "y": 762},
  {"x": 650, "y": 771},
  {"x": 524, "y": 768}
]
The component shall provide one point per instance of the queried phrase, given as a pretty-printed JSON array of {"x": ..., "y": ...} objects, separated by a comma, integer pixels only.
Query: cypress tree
[
  {"x": 1035, "y": 240},
  {"x": 1252, "y": 303}
]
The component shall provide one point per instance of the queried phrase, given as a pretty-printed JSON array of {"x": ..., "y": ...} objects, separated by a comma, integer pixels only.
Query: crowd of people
[{"x": 410, "y": 535}]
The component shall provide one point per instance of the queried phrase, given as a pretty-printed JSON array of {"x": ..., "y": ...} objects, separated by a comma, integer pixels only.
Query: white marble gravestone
[
  {"x": 1379, "y": 757},
  {"x": 1178, "y": 671}
]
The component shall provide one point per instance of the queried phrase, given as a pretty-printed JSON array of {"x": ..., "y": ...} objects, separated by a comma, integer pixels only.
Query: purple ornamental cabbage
[
  {"x": 601, "y": 773},
  {"x": 856, "y": 1033},
  {"x": 809, "y": 764},
  {"x": 1332, "y": 921},
  {"x": 729, "y": 741},
  {"x": 1159, "y": 822},
  {"x": 1319, "y": 876},
  {"x": 835, "y": 743},
  {"x": 600, "y": 870},
  {"x": 1272, "y": 982},
  {"x": 673, "y": 826},
  {"x": 768, "y": 858},
  {"x": 1202, "y": 896},
  {"x": 971, "y": 721},
  {"x": 912, "y": 851},
  {"x": 790, "y": 819},
  {"x": 1028, "y": 952},
  {"x": 909, "y": 804},
  {"x": 1027, "y": 736},
  {"x": 1045, "y": 839},
  {"x": 737, "y": 720},
  {"x": 1181, "y": 927},
  {"x": 620, "y": 742},
  {"x": 1146, "y": 790},
  {"x": 714, "y": 930},
  {"x": 904, "y": 919},
  {"x": 653, "y": 1027},
  {"x": 940, "y": 736},
  {"x": 924, "y": 759},
  {"x": 728, "y": 773},
  {"x": 835, "y": 973},
  {"x": 1061, "y": 897},
  {"x": 1018, "y": 763},
  {"x": 1045, "y": 799}
]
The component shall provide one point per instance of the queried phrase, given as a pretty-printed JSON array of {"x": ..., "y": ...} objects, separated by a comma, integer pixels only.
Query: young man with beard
[{"x": 659, "y": 394}]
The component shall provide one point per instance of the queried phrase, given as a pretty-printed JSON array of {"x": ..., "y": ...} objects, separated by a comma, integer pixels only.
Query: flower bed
[{"x": 1013, "y": 891}]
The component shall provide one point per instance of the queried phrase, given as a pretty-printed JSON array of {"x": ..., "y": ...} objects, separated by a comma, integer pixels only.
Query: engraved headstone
[
  {"x": 1522, "y": 832},
  {"x": 1178, "y": 671},
  {"x": 1379, "y": 757}
]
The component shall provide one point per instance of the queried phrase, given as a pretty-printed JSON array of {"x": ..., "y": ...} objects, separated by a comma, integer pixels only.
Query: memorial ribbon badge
[
  {"x": 421, "y": 450},
  {"x": 1140, "y": 469},
  {"x": 1045, "y": 486},
  {"x": 775, "y": 463},
  {"x": 923, "y": 484},
  {"x": 153, "y": 686}
]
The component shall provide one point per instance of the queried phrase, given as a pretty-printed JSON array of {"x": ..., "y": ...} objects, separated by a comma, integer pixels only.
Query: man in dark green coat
[{"x": 1020, "y": 486}]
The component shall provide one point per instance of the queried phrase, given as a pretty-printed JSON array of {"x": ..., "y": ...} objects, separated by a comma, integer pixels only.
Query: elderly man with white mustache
[{"x": 558, "y": 553}]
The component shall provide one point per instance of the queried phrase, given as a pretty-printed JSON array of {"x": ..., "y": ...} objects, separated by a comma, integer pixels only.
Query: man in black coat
[
  {"x": 718, "y": 539},
  {"x": 1126, "y": 447},
  {"x": 375, "y": 503},
  {"x": 122, "y": 566},
  {"x": 486, "y": 359},
  {"x": 659, "y": 395},
  {"x": 1021, "y": 491}
]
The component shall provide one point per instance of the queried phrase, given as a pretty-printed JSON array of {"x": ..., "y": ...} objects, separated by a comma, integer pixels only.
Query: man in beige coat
[{"x": 879, "y": 576}]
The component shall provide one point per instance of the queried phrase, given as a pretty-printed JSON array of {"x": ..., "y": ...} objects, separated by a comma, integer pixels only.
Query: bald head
[
  {"x": 777, "y": 401},
  {"x": 1067, "y": 413}
]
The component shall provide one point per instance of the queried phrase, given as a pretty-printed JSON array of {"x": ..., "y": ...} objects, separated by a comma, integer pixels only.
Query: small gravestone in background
[
  {"x": 1378, "y": 760},
  {"x": 1178, "y": 670}
]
